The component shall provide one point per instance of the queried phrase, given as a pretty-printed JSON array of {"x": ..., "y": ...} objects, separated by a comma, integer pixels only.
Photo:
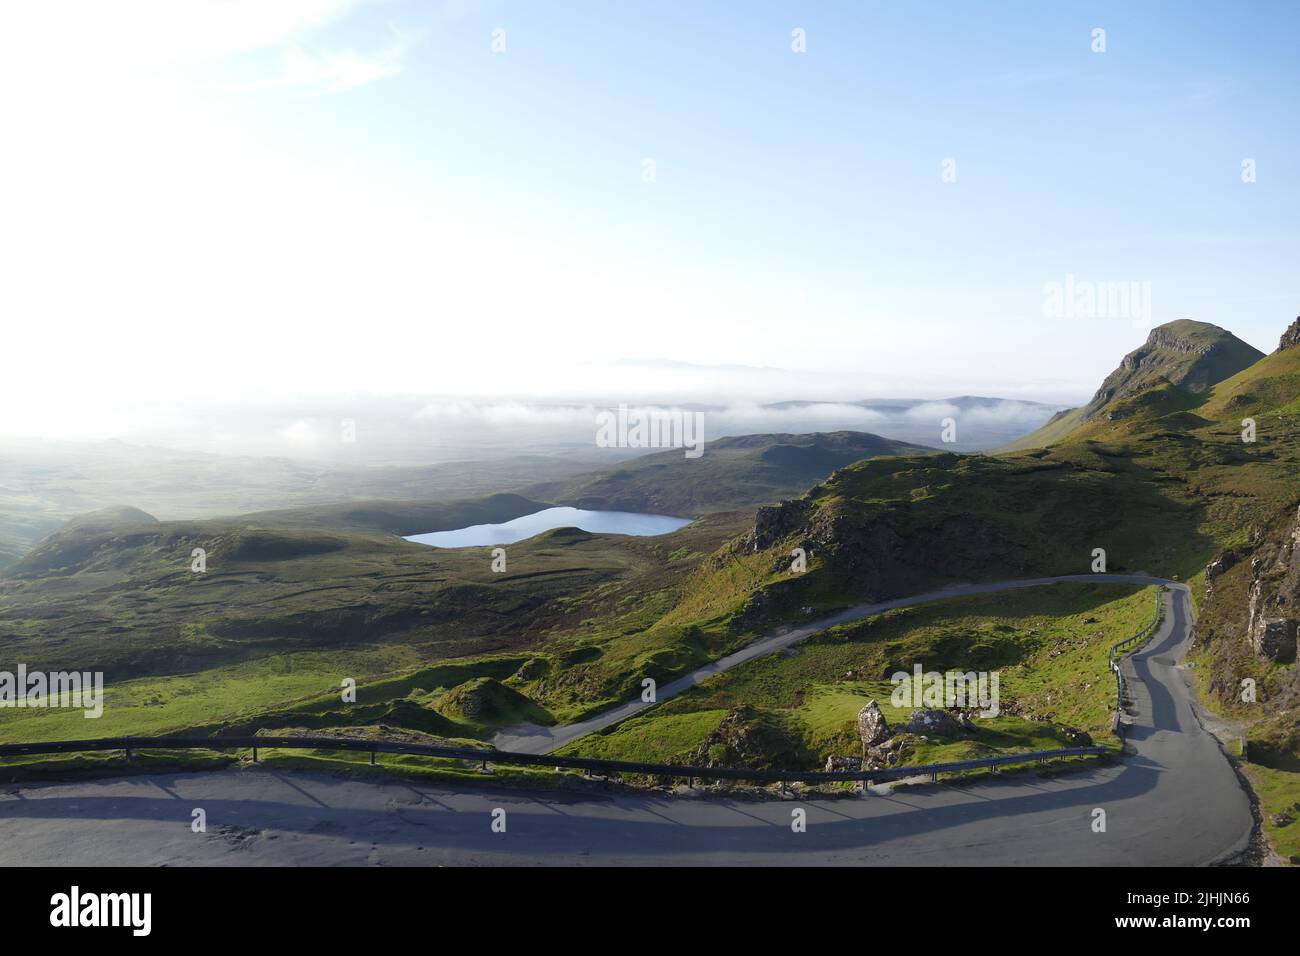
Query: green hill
[
  {"x": 1191, "y": 356},
  {"x": 1158, "y": 476},
  {"x": 99, "y": 534},
  {"x": 114, "y": 590},
  {"x": 733, "y": 472},
  {"x": 486, "y": 702}
]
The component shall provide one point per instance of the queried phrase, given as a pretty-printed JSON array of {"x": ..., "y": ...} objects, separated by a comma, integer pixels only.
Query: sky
[{"x": 245, "y": 201}]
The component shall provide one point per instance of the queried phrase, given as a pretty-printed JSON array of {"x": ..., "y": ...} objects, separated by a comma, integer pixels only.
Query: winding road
[
  {"x": 536, "y": 739},
  {"x": 1173, "y": 801}
]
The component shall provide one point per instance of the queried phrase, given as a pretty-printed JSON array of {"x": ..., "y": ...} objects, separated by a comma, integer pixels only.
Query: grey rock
[
  {"x": 938, "y": 723},
  {"x": 872, "y": 726},
  {"x": 1273, "y": 638},
  {"x": 1291, "y": 337},
  {"x": 843, "y": 764}
]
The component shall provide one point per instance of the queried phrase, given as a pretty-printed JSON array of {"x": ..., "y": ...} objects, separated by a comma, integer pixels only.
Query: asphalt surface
[{"x": 1173, "y": 801}]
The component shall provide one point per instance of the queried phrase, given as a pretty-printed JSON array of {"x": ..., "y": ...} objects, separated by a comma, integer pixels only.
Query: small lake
[{"x": 598, "y": 522}]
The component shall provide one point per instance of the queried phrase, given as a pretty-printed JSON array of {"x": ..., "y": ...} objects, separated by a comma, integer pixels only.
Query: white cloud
[
  {"x": 328, "y": 71},
  {"x": 247, "y": 44},
  {"x": 176, "y": 29},
  {"x": 931, "y": 411},
  {"x": 300, "y": 433}
]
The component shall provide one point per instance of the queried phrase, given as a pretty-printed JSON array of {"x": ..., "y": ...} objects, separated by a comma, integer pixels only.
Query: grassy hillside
[
  {"x": 124, "y": 598},
  {"x": 1159, "y": 476},
  {"x": 1049, "y": 645},
  {"x": 293, "y": 601},
  {"x": 1161, "y": 481}
]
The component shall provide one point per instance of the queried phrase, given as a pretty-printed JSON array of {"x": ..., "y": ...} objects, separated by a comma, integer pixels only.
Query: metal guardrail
[
  {"x": 485, "y": 756},
  {"x": 1118, "y": 650}
]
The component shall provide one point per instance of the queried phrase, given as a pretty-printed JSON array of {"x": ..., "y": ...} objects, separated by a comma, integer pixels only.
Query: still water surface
[{"x": 602, "y": 522}]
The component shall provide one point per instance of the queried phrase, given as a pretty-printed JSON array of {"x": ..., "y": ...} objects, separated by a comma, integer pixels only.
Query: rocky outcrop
[
  {"x": 934, "y": 723},
  {"x": 1215, "y": 569},
  {"x": 1165, "y": 337},
  {"x": 774, "y": 523},
  {"x": 889, "y": 753},
  {"x": 872, "y": 726},
  {"x": 879, "y": 748},
  {"x": 1191, "y": 355},
  {"x": 1274, "y": 639},
  {"x": 1291, "y": 337},
  {"x": 843, "y": 764},
  {"x": 1254, "y": 592},
  {"x": 1273, "y": 601},
  {"x": 1248, "y": 629},
  {"x": 747, "y": 737}
]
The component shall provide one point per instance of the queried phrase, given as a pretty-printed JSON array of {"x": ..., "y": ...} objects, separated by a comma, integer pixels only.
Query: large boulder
[
  {"x": 1271, "y": 624},
  {"x": 872, "y": 726},
  {"x": 1273, "y": 638},
  {"x": 934, "y": 723}
]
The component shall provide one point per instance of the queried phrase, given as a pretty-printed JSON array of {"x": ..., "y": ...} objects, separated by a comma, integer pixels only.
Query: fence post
[
  {"x": 372, "y": 758},
  {"x": 254, "y": 755}
]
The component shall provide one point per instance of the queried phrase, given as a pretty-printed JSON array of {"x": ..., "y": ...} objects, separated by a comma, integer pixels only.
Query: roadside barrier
[
  {"x": 1119, "y": 650},
  {"x": 485, "y": 756}
]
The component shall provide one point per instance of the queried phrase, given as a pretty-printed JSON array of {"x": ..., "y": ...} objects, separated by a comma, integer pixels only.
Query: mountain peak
[
  {"x": 1192, "y": 355},
  {"x": 1187, "y": 335}
]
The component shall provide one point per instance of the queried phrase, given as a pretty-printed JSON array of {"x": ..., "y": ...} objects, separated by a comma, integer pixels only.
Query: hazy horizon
[{"x": 275, "y": 204}]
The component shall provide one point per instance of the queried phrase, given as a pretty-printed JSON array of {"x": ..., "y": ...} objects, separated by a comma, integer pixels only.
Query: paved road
[
  {"x": 535, "y": 739},
  {"x": 1174, "y": 801}
]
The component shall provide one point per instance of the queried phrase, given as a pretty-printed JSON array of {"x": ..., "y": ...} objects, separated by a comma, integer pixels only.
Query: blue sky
[{"x": 330, "y": 195}]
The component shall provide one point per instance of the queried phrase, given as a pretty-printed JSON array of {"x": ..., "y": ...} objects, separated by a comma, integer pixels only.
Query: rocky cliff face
[
  {"x": 1291, "y": 337},
  {"x": 1273, "y": 611},
  {"x": 1248, "y": 628},
  {"x": 868, "y": 554},
  {"x": 1269, "y": 569},
  {"x": 1191, "y": 355},
  {"x": 774, "y": 523}
]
